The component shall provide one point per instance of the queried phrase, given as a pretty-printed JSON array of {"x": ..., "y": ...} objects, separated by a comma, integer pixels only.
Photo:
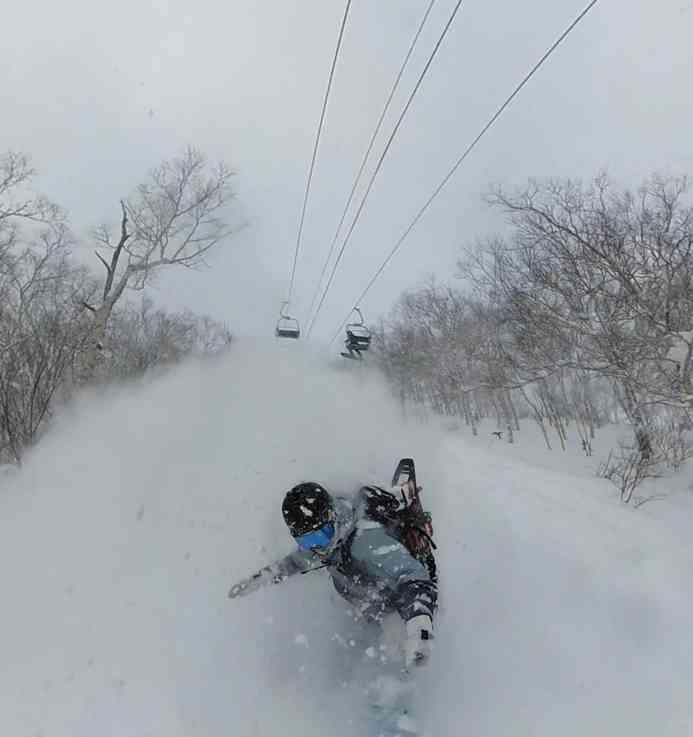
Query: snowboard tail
[
  {"x": 390, "y": 701},
  {"x": 419, "y": 522}
]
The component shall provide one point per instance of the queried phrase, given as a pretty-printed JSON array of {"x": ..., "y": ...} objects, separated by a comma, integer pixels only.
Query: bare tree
[
  {"x": 41, "y": 335},
  {"x": 142, "y": 337},
  {"x": 17, "y": 200},
  {"x": 595, "y": 280},
  {"x": 174, "y": 219},
  {"x": 580, "y": 315}
]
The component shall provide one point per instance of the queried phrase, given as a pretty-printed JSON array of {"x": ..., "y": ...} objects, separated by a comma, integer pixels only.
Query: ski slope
[{"x": 562, "y": 613}]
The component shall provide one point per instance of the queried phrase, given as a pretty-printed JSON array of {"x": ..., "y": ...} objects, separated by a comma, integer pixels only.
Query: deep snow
[{"x": 563, "y": 613}]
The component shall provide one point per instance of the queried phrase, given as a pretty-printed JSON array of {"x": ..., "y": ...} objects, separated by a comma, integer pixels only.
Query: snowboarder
[{"x": 370, "y": 566}]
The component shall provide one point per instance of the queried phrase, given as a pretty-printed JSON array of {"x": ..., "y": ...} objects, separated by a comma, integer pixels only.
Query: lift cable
[
  {"x": 315, "y": 150},
  {"x": 380, "y": 163},
  {"x": 368, "y": 151},
  {"x": 459, "y": 162}
]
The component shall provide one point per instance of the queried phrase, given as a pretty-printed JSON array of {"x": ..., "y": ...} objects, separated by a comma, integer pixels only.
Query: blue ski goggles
[{"x": 320, "y": 538}]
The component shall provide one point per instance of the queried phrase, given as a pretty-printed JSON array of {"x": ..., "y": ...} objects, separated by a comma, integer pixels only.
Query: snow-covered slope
[{"x": 562, "y": 613}]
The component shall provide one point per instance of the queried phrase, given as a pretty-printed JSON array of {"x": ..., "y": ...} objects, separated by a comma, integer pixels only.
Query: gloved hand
[
  {"x": 417, "y": 647},
  {"x": 264, "y": 577}
]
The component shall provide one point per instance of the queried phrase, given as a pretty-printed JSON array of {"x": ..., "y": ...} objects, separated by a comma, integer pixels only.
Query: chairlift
[
  {"x": 358, "y": 338},
  {"x": 287, "y": 326}
]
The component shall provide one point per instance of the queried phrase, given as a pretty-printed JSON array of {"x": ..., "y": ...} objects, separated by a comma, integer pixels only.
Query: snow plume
[
  {"x": 562, "y": 613},
  {"x": 121, "y": 535}
]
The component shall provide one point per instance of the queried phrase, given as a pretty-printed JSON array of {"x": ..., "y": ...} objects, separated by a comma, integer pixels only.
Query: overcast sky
[{"x": 99, "y": 93}]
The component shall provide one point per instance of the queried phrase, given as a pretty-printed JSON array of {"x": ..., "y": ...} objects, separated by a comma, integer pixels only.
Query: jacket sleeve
[
  {"x": 408, "y": 578},
  {"x": 278, "y": 572}
]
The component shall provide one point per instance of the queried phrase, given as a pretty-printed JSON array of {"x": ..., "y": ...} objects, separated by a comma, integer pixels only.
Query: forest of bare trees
[
  {"x": 581, "y": 314},
  {"x": 62, "y": 325}
]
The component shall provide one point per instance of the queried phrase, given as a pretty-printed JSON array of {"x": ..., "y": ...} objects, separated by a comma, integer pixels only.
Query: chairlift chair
[
  {"x": 358, "y": 338},
  {"x": 287, "y": 326}
]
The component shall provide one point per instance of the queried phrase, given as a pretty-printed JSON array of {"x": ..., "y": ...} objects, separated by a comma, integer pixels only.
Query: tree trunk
[
  {"x": 94, "y": 354},
  {"x": 634, "y": 413}
]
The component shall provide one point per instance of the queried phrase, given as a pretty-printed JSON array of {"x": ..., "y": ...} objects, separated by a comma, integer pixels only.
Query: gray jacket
[{"x": 371, "y": 569}]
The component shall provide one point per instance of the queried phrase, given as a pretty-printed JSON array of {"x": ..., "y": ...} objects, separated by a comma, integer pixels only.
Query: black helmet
[{"x": 307, "y": 507}]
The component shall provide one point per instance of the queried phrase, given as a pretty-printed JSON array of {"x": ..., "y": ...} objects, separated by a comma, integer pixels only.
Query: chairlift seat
[
  {"x": 358, "y": 337},
  {"x": 287, "y": 327}
]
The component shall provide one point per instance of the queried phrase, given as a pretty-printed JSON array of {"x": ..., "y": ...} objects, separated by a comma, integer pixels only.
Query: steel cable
[
  {"x": 461, "y": 159},
  {"x": 368, "y": 152},
  {"x": 315, "y": 150},
  {"x": 380, "y": 163}
]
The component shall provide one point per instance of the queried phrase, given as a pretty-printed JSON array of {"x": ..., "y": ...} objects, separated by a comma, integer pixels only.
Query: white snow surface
[{"x": 562, "y": 612}]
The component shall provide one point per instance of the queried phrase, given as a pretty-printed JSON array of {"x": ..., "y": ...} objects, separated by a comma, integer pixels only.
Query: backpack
[{"x": 404, "y": 521}]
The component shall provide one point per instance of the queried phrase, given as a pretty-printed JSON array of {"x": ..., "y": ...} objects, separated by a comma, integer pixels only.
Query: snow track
[{"x": 562, "y": 613}]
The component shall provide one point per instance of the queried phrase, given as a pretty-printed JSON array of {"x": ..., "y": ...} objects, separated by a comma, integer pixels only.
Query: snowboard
[{"x": 390, "y": 700}]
